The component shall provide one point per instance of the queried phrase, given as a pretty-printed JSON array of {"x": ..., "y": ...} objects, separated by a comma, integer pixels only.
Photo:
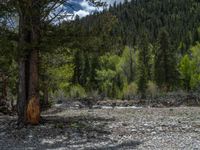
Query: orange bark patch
[{"x": 33, "y": 111}]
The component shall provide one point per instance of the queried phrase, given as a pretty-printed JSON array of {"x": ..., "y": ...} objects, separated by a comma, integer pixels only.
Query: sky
[
  {"x": 79, "y": 8},
  {"x": 83, "y": 8}
]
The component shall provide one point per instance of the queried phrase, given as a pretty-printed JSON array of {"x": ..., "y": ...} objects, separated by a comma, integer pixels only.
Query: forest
[{"x": 138, "y": 50}]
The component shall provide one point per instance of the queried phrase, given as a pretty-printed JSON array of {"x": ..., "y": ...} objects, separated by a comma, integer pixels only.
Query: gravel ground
[{"x": 106, "y": 129}]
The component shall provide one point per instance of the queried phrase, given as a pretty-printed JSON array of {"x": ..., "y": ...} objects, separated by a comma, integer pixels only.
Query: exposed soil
[{"x": 106, "y": 129}]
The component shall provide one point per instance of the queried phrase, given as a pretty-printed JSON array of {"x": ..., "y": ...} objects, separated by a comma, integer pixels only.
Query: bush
[
  {"x": 93, "y": 94},
  {"x": 195, "y": 82},
  {"x": 77, "y": 91},
  {"x": 58, "y": 96},
  {"x": 130, "y": 90},
  {"x": 152, "y": 89}
]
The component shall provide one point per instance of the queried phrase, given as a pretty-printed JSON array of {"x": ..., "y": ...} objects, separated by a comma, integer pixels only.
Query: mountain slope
[{"x": 180, "y": 18}]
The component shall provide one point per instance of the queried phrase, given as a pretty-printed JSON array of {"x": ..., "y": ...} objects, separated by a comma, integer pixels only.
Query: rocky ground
[{"x": 108, "y": 128}]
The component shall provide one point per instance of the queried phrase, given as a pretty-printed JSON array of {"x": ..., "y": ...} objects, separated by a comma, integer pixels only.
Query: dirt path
[{"x": 106, "y": 129}]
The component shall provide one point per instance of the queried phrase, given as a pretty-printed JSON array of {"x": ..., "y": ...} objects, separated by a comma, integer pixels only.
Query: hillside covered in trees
[
  {"x": 133, "y": 50},
  {"x": 136, "y": 47}
]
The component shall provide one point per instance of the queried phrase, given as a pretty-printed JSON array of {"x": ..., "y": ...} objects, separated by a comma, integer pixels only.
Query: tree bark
[
  {"x": 4, "y": 94},
  {"x": 1, "y": 82},
  {"x": 29, "y": 33},
  {"x": 22, "y": 103},
  {"x": 46, "y": 96},
  {"x": 28, "y": 100},
  {"x": 33, "y": 74},
  {"x": 3, "y": 85},
  {"x": 33, "y": 108},
  {"x": 131, "y": 67}
]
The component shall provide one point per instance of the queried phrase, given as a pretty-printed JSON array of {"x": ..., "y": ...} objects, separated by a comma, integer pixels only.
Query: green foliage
[
  {"x": 99, "y": 60},
  {"x": 130, "y": 90},
  {"x": 77, "y": 91},
  {"x": 152, "y": 89},
  {"x": 88, "y": 54},
  {"x": 89, "y": 42},
  {"x": 143, "y": 80},
  {"x": 195, "y": 81},
  {"x": 195, "y": 60},
  {"x": 165, "y": 62},
  {"x": 8, "y": 57},
  {"x": 116, "y": 72},
  {"x": 56, "y": 70},
  {"x": 189, "y": 68},
  {"x": 93, "y": 94},
  {"x": 108, "y": 74},
  {"x": 144, "y": 65},
  {"x": 179, "y": 17},
  {"x": 186, "y": 69},
  {"x": 129, "y": 63}
]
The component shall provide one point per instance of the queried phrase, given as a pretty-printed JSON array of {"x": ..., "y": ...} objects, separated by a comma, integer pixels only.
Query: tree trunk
[
  {"x": 33, "y": 74},
  {"x": 4, "y": 94},
  {"x": 28, "y": 101},
  {"x": 3, "y": 82},
  {"x": 131, "y": 67},
  {"x": 29, "y": 29},
  {"x": 21, "y": 103},
  {"x": 46, "y": 96},
  {"x": 33, "y": 108}
]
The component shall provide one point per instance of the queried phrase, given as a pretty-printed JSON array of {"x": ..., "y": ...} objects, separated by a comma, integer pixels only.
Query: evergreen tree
[
  {"x": 165, "y": 62},
  {"x": 144, "y": 60},
  {"x": 34, "y": 17}
]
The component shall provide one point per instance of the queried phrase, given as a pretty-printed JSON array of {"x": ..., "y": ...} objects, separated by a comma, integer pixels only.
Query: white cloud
[
  {"x": 82, "y": 13},
  {"x": 111, "y": 2},
  {"x": 87, "y": 7}
]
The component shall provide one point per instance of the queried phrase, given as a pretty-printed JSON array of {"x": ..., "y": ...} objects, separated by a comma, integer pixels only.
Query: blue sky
[{"x": 83, "y": 8}]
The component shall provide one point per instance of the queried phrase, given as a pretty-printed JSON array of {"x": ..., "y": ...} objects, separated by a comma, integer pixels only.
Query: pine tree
[
  {"x": 34, "y": 17},
  {"x": 165, "y": 63},
  {"x": 144, "y": 70}
]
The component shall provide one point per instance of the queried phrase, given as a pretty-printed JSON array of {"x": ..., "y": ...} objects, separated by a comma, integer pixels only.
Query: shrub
[
  {"x": 93, "y": 94},
  {"x": 77, "y": 91},
  {"x": 130, "y": 90},
  {"x": 195, "y": 82},
  {"x": 152, "y": 89},
  {"x": 57, "y": 97}
]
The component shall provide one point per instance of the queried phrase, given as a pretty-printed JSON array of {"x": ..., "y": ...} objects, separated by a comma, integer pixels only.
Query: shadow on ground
[
  {"x": 122, "y": 146},
  {"x": 57, "y": 132}
]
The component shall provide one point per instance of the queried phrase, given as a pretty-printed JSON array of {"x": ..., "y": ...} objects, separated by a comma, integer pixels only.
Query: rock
[
  {"x": 134, "y": 130},
  {"x": 5, "y": 107},
  {"x": 148, "y": 128},
  {"x": 124, "y": 124},
  {"x": 96, "y": 107}
]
